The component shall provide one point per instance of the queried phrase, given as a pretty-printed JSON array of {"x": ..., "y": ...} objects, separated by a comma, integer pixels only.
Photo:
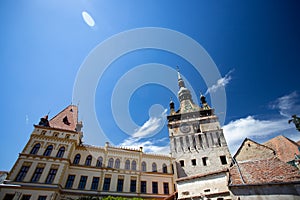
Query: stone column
[
  {"x": 198, "y": 145},
  {"x": 191, "y": 140}
]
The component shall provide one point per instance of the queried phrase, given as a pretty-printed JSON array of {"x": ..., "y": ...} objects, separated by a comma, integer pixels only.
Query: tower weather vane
[{"x": 296, "y": 121}]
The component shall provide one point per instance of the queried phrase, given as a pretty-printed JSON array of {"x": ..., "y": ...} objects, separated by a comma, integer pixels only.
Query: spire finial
[
  {"x": 180, "y": 80},
  {"x": 178, "y": 72}
]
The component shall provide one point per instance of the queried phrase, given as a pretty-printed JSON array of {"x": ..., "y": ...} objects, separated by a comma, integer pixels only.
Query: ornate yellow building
[{"x": 55, "y": 165}]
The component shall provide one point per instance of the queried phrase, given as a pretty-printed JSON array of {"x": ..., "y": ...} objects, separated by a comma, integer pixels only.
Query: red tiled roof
[
  {"x": 270, "y": 170},
  {"x": 285, "y": 148},
  {"x": 66, "y": 119}
]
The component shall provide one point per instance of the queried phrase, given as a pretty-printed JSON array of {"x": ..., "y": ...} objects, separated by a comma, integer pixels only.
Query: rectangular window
[
  {"x": 51, "y": 176},
  {"x": 42, "y": 197},
  {"x": 106, "y": 184},
  {"x": 95, "y": 183},
  {"x": 82, "y": 182},
  {"x": 200, "y": 141},
  {"x": 37, "y": 174},
  {"x": 120, "y": 185},
  {"x": 223, "y": 160},
  {"x": 21, "y": 175},
  {"x": 143, "y": 187},
  {"x": 26, "y": 197},
  {"x": 154, "y": 187},
  {"x": 194, "y": 163},
  {"x": 166, "y": 188},
  {"x": 132, "y": 185},
  {"x": 204, "y": 161},
  {"x": 9, "y": 197},
  {"x": 70, "y": 181},
  {"x": 181, "y": 163}
]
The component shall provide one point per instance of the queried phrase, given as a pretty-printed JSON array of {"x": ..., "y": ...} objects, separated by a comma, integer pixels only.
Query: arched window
[
  {"x": 154, "y": 167},
  {"x": 88, "y": 160},
  {"x": 48, "y": 150},
  {"x": 99, "y": 162},
  {"x": 144, "y": 166},
  {"x": 127, "y": 164},
  {"x": 117, "y": 163},
  {"x": 76, "y": 159},
  {"x": 133, "y": 165},
  {"x": 165, "y": 168},
  {"x": 60, "y": 152},
  {"x": 110, "y": 163},
  {"x": 35, "y": 148}
]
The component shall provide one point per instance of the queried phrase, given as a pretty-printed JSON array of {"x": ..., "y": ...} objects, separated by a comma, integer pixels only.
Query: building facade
[{"x": 55, "y": 164}]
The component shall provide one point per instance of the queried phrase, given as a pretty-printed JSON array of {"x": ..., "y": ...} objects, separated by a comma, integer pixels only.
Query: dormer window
[{"x": 66, "y": 121}]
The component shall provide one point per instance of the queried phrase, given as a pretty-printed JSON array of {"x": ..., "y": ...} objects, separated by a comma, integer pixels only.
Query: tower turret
[
  {"x": 172, "y": 107},
  {"x": 205, "y": 106}
]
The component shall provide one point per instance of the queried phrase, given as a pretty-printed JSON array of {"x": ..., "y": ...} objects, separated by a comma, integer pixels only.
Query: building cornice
[
  {"x": 201, "y": 175},
  {"x": 53, "y": 128}
]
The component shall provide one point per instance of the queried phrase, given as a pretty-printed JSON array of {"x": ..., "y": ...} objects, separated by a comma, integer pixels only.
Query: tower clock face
[{"x": 185, "y": 128}]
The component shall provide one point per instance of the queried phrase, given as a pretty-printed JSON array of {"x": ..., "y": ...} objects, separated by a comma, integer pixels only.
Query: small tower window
[
  {"x": 181, "y": 163},
  {"x": 194, "y": 163},
  {"x": 223, "y": 160},
  {"x": 204, "y": 161}
]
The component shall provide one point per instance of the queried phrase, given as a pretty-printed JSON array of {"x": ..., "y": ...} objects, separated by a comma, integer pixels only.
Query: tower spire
[{"x": 180, "y": 80}]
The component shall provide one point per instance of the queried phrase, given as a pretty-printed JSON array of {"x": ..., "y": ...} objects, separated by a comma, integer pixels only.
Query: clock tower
[{"x": 197, "y": 141}]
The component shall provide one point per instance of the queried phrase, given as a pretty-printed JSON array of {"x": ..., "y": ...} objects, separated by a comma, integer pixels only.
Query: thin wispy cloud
[
  {"x": 152, "y": 126},
  {"x": 149, "y": 146},
  {"x": 287, "y": 104},
  {"x": 222, "y": 82}
]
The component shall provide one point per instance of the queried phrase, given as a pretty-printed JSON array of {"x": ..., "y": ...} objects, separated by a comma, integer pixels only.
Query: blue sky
[{"x": 255, "y": 46}]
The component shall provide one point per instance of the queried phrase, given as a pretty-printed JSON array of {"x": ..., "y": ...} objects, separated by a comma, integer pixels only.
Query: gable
[
  {"x": 66, "y": 119},
  {"x": 284, "y": 147},
  {"x": 251, "y": 150}
]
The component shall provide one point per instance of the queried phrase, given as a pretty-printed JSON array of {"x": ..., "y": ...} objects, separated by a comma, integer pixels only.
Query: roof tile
[{"x": 265, "y": 171}]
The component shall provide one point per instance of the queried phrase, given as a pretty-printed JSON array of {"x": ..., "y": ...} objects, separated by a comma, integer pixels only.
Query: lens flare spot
[{"x": 88, "y": 19}]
